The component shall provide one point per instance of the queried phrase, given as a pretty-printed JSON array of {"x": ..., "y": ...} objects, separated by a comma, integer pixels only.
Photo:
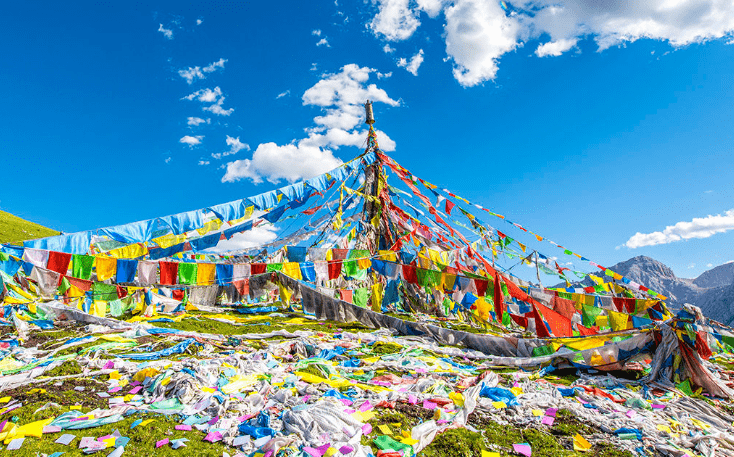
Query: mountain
[
  {"x": 720, "y": 276},
  {"x": 14, "y": 229}
]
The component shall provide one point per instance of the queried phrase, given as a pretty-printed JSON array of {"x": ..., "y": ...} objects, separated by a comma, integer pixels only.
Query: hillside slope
[{"x": 15, "y": 230}]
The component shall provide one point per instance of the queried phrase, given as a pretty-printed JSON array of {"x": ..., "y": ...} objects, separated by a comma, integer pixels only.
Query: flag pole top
[{"x": 369, "y": 115}]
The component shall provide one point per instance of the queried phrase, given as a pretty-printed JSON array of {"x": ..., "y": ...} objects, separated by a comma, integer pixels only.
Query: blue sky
[{"x": 114, "y": 113}]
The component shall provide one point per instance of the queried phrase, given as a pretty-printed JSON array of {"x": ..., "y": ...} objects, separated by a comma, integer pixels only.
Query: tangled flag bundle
[{"x": 385, "y": 318}]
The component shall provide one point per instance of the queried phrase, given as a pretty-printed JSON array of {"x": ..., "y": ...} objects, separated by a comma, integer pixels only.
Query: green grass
[{"x": 15, "y": 230}]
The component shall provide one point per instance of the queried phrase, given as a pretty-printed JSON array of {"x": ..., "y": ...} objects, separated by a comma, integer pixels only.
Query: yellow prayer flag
[
  {"x": 106, "y": 268},
  {"x": 205, "y": 273},
  {"x": 618, "y": 320}
]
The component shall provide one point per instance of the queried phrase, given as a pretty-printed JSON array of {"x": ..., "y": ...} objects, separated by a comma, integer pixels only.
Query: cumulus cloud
[
  {"x": 283, "y": 94},
  {"x": 323, "y": 42},
  {"x": 199, "y": 21},
  {"x": 192, "y": 74},
  {"x": 413, "y": 64},
  {"x": 555, "y": 48},
  {"x": 388, "y": 49},
  {"x": 478, "y": 32},
  {"x": 195, "y": 121},
  {"x": 290, "y": 162},
  {"x": 168, "y": 33},
  {"x": 316, "y": 32},
  {"x": 384, "y": 75},
  {"x": 699, "y": 227},
  {"x": 203, "y": 162},
  {"x": 340, "y": 96},
  {"x": 168, "y": 160},
  {"x": 191, "y": 140}
]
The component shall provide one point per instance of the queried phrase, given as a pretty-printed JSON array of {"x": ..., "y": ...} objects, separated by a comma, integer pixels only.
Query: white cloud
[
  {"x": 314, "y": 66},
  {"x": 395, "y": 21},
  {"x": 478, "y": 32},
  {"x": 168, "y": 33},
  {"x": 384, "y": 75},
  {"x": 203, "y": 162},
  {"x": 205, "y": 95},
  {"x": 217, "y": 108},
  {"x": 199, "y": 21},
  {"x": 195, "y": 121},
  {"x": 316, "y": 32},
  {"x": 555, "y": 48},
  {"x": 212, "y": 67},
  {"x": 341, "y": 97},
  {"x": 192, "y": 74},
  {"x": 258, "y": 236},
  {"x": 168, "y": 160},
  {"x": 235, "y": 146},
  {"x": 388, "y": 49},
  {"x": 323, "y": 42},
  {"x": 699, "y": 227},
  {"x": 290, "y": 162},
  {"x": 709, "y": 265},
  {"x": 191, "y": 140},
  {"x": 414, "y": 63},
  {"x": 283, "y": 94},
  {"x": 213, "y": 96}
]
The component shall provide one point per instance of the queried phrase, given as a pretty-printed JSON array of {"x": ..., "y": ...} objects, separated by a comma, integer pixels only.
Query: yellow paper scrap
[
  {"x": 385, "y": 429},
  {"x": 146, "y": 422},
  {"x": 537, "y": 412},
  {"x": 490, "y": 454},
  {"x": 580, "y": 443},
  {"x": 4, "y": 399},
  {"x": 409, "y": 441},
  {"x": 499, "y": 404}
]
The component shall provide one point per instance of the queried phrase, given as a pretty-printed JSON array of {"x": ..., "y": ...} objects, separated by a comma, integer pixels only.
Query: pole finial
[{"x": 369, "y": 115}]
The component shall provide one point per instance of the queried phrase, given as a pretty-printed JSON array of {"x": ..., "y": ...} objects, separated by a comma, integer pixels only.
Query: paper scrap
[
  {"x": 385, "y": 429},
  {"x": 161, "y": 443},
  {"x": 183, "y": 427},
  {"x": 548, "y": 420},
  {"x": 65, "y": 439},
  {"x": 580, "y": 443},
  {"x": 523, "y": 448}
]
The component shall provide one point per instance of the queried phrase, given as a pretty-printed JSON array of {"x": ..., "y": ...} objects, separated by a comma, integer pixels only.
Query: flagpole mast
[{"x": 371, "y": 184}]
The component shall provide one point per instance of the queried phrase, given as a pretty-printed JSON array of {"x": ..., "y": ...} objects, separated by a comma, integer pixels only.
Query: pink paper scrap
[
  {"x": 183, "y": 427},
  {"x": 115, "y": 389},
  {"x": 305, "y": 398},
  {"x": 213, "y": 420},
  {"x": 51, "y": 429},
  {"x": 366, "y": 406},
  {"x": 551, "y": 412},
  {"x": 345, "y": 401},
  {"x": 548, "y": 420},
  {"x": 366, "y": 429},
  {"x": 161, "y": 443},
  {"x": 657, "y": 406},
  {"x": 523, "y": 448},
  {"x": 346, "y": 449},
  {"x": 312, "y": 452},
  {"x": 213, "y": 436},
  {"x": 442, "y": 421},
  {"x": 631, "y": 413},
  {"x": 429, "y": 404},
  {"x": 109, "y": 365},
  {"x": 412, "y": 399},
  {"x": 135, "y": 390},
  {"x": 350, "y": 410},
  {"x": 323, "y": 448}
]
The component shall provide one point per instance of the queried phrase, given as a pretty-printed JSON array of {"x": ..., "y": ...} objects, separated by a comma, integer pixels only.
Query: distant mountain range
[{"x": 712, "y": 291}]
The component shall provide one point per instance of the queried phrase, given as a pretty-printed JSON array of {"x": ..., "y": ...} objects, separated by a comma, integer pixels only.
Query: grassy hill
[{"x": 15, "y": 230}]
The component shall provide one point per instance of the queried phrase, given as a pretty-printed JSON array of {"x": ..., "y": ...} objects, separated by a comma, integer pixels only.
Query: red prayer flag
[
  {"x": 58, "y": 262},
  {"x": 169, "y": 273}
]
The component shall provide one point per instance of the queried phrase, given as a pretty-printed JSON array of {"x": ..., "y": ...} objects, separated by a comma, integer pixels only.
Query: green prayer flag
[
  {"x": 430, "y": 278},
  {"x": 359, "y": 254},
  {"x": 81, "y": 266},
  {"x": 187, "y": 273},
  {"x": 104, "y": 292},
  {"x": 590, "y": 314},
  {"x": 274, "y": 267},
  {"x": 385, "y": 442},
  {"x": 350, "y": 267},
  {"x": 361, "y": 297}
]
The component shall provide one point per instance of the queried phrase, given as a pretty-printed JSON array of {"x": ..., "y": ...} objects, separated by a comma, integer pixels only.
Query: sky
[{"x": 604, "y": 126}]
